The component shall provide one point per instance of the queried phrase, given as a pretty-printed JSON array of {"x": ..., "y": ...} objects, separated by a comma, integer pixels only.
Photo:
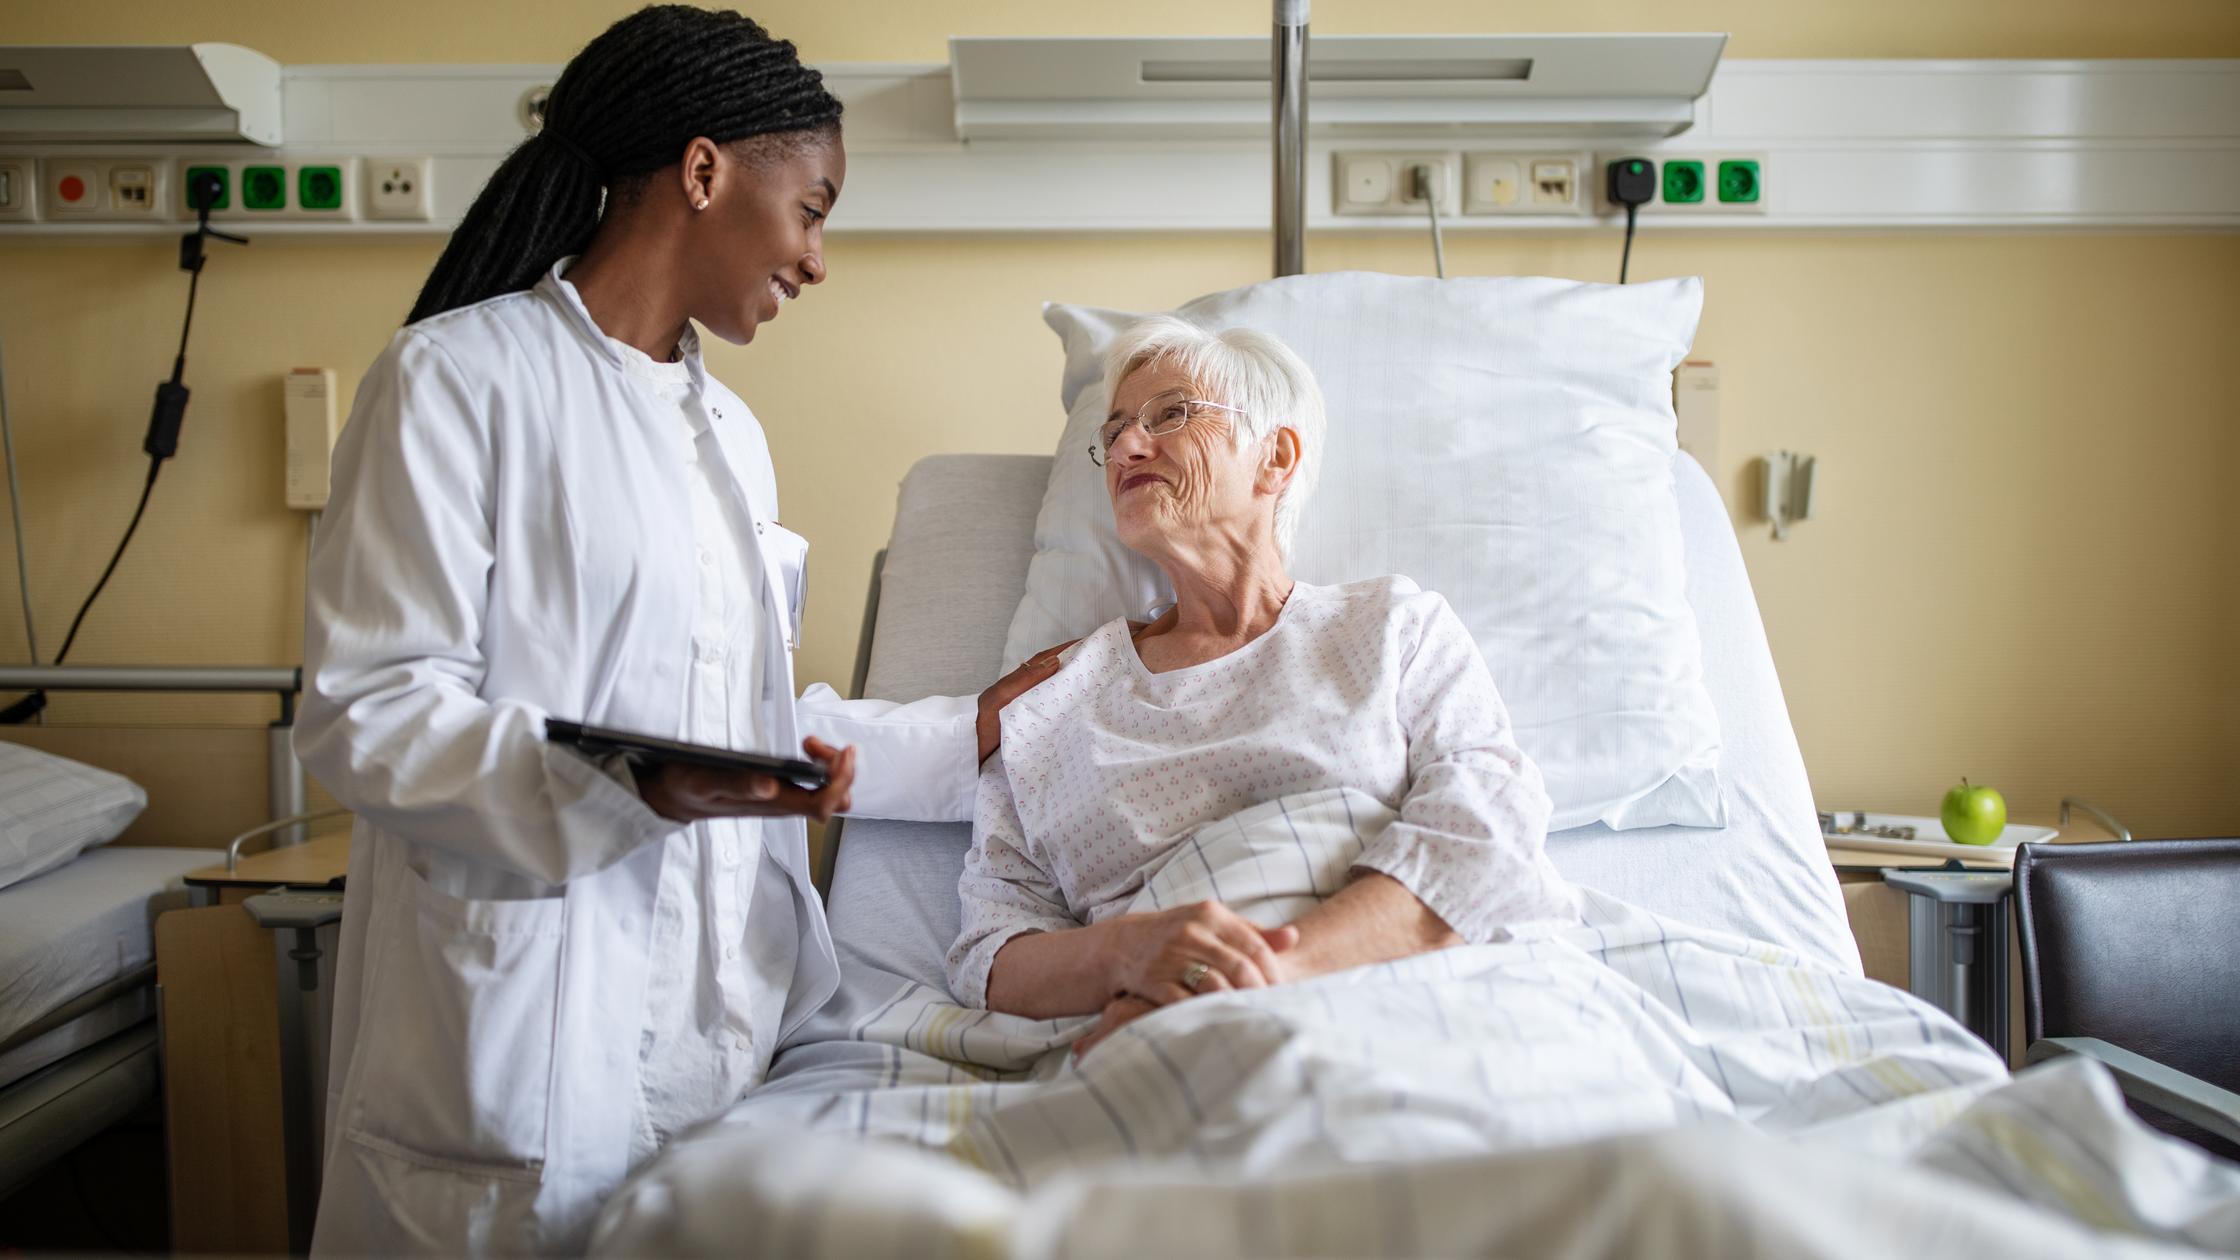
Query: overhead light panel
[{"x": 1217, "y": 87}]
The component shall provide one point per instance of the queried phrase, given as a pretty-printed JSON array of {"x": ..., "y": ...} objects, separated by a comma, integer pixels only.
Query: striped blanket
[{"x": 1624, "y": 1061}]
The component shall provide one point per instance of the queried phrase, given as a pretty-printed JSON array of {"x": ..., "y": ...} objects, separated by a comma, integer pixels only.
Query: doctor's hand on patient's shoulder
[
  {"x": 1172, "y": 955},
  {"x": 692, "y": 793},
  {"x": 1031, "y": 673}
]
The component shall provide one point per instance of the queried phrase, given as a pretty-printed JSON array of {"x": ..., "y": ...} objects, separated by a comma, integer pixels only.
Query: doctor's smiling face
[{"x": 759, "y": 239}]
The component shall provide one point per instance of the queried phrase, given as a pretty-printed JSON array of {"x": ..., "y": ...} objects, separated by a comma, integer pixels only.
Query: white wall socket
[
  {"x": 398, "y": 188},
  {"x": 19, "y": 189},
  {"x": 1382, "y": 183},
  {"x": 1525, "y": 183}
]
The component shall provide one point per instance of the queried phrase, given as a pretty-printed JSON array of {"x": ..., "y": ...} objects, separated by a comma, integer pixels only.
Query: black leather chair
[{"x": 2131, "y": 955}]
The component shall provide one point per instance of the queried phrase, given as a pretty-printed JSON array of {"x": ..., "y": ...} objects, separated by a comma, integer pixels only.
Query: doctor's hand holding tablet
[{"x": 555, "y": 954}]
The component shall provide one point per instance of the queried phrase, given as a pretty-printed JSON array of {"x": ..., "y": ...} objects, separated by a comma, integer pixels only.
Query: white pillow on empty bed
[
  {"x": 1506, "y": 442},
  {"x": 52, "y": 809}
]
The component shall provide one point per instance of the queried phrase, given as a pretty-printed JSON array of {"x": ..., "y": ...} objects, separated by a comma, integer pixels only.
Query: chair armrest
[{"x": 2156, "y": 1084}]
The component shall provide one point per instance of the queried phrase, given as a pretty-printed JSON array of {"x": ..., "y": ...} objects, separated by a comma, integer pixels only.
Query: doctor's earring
[{"x": 701, "y": 204}]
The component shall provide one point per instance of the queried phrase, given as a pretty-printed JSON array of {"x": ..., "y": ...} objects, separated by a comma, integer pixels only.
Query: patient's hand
[
  {"x": 1118, "y": 1014},
  {"x": 1155, "y": 956}
]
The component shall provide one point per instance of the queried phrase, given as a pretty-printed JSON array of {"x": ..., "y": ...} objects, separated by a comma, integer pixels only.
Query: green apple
[{"x": 1973, "y": 815}]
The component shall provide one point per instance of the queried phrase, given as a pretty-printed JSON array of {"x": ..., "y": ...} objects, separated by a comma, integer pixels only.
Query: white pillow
[
  {"x": 1505, "y": 442},
  {"x": 52, "y": 809}
]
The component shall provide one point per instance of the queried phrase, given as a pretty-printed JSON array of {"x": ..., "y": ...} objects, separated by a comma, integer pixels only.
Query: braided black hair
[{"x": 624, "y": 108}]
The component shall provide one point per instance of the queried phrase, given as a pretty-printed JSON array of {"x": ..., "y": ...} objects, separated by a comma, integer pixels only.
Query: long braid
[{"x": 624, "y": 108}]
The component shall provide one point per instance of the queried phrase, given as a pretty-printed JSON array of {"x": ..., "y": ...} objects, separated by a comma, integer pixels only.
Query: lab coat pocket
[
  {"x": 786, "y": 554},
  {"x": 455, "y": 1070}
]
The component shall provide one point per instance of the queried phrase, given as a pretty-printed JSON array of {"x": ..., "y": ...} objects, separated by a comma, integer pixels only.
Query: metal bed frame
[{"x": 50, "y": 1112}]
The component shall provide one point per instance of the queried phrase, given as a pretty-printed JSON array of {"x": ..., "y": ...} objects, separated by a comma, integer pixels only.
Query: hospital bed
[
  {"x": 78, "y": 998},
  {"x": 786, "y": 1164}
]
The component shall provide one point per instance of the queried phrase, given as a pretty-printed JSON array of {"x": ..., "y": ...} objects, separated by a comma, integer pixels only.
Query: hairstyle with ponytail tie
[{"x": 624, "y": 108}]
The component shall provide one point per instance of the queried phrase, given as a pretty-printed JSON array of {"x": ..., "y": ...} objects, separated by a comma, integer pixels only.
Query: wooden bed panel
[{"x": 205, "y": 784}]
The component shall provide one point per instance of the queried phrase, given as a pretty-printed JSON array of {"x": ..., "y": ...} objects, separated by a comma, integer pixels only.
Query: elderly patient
[{"x": 1253, "y": 687}]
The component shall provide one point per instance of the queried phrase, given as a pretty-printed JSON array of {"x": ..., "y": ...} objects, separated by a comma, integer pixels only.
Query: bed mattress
[
  {"x": 70, "y": 931},
  {"x": 962, "y": 540}
]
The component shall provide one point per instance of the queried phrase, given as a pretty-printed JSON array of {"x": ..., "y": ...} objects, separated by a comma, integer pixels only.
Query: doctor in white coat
[{"x": 545, "y": 507}]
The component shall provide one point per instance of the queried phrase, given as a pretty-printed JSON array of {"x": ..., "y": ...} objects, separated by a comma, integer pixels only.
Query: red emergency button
[{"x": 72, "y": 188}]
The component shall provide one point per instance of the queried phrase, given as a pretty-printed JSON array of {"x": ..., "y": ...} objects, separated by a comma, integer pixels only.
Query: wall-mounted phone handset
[{"x": 1785, "y": 489}]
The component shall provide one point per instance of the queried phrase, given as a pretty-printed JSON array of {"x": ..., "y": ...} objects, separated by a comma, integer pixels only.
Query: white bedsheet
[
  {"x": 1365, "y": 1092},
  {"x": 83, "y": 924}
]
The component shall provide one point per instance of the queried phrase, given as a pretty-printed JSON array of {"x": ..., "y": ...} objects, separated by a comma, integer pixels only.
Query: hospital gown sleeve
[
  {"x": 1003, "y": 890},
  {"x": 392, "y": 721},
  {"x": 1471, "y": 839},
  {"x": 915, "y": 761}
]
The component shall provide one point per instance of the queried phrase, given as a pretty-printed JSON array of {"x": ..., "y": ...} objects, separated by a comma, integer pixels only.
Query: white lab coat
[{"x": 510, "y": 537}]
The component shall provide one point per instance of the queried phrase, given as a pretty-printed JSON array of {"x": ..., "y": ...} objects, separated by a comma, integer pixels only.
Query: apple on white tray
[{"x": 1973, "y": 815}]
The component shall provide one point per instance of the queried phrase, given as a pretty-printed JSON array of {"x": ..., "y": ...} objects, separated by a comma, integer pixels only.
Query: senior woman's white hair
[{"x": 1242, "y": 368}]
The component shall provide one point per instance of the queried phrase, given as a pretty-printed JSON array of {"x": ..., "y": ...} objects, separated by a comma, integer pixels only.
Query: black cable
[
  {"x": 1625, "y": 260},
  {"x": 163, "y": 440},
  {"x": 154, "y": 466},
  {"x": 194, "y": 282}
]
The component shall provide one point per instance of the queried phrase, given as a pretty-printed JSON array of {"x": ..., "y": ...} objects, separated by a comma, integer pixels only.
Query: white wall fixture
[
  {"x": 1842, "y": 145},
  {"x": 1785, "y": 488},
  {"x": 157, "y": 94},
  {"x": 398, "y": 188}
]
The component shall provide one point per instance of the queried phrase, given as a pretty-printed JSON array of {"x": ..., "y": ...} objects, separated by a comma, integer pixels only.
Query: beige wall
[{"x": 2026, "y": 568}]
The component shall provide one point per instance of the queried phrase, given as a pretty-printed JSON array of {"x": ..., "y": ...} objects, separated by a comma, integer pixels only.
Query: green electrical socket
[
  {"x": 1739, "y": 181},
  {"x": 319, "y": 188},
  {"x": 1683, "y": 182},
  {"x": 264, "y": 188},
  {"x": 224, "y": 199}
]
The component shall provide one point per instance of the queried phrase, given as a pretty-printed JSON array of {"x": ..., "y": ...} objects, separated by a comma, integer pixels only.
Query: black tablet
[{"x": 600, "y": 741}]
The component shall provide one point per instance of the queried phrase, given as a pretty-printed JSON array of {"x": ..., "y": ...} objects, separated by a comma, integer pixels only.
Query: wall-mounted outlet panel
[
  {"x": 1709, "y": 183},
  {"x": 1382, "y": 182},
  {"x": 398, "y": 188},
  {"x": 1526, "y": 182},
  {"x": 267, "y": 189}
]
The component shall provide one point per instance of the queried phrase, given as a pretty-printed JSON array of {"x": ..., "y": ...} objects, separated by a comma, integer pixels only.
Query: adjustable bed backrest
[{"x": 955, "y": 570}]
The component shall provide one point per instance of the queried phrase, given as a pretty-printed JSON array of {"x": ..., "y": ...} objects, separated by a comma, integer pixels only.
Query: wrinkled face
[
  {"x": 1184, "y": 488},
  {"x": 760, "y": 241}
]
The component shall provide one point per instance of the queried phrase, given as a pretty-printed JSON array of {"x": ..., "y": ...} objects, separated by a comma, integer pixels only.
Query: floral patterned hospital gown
[{"x": 1373, "y": 685}]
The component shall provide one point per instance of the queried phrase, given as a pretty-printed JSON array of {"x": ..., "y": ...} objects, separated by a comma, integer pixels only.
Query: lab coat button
[
  {"x": 730, "y": 953},
  {"x": 707, "y": 558}
]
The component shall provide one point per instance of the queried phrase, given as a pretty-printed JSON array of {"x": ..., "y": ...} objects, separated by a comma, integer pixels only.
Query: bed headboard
[{"x": 205, "y": 784}]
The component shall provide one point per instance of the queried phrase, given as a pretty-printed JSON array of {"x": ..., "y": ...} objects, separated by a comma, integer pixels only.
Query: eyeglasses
[{"x": 1160, "y": 416}]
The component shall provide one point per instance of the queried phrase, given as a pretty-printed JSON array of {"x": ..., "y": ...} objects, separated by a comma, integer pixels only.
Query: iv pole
[{"x": 1289, "y": 72}]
